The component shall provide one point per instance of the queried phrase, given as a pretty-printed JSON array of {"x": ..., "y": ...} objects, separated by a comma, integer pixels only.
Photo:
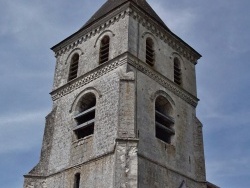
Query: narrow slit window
[
  {"x": 86, "y": 116},
  {"x": 73, "y": 67},
  {"x": 77, "y": 180},
  {"x": 150, "y": 53},
  {"x": 163, "y": 120},
  {"x": 104, "y": 50},
  {"x": 177, "y": 71}
]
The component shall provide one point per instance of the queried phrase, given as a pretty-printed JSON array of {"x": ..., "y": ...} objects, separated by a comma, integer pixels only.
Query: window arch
[
  {"x": 164, "y": 121},
  {"x": 85, "y": 117},
  {"x": 177, "y": 71},
  {"x": 104, "y": 49},
  {"x": 77, "y": 180},
  {"x": 73, "y": 67},
  {"x": 150, "y": 52}
]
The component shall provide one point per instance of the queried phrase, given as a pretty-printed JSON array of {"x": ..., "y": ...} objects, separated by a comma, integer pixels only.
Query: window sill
[
  {"x": 165, "y": 143},
  {"x": 82, "y": 140}
]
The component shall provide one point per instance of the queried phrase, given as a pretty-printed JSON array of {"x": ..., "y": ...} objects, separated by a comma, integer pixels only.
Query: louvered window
[
  {"x": 163, "y": 121},
  {"x": 150, "y": 53},
  {"x": 104, "y": 50},
  {"x": 73, "y": 67},
  {"x": 86, "y": 116},
  {"x": 177, "y": 71}
]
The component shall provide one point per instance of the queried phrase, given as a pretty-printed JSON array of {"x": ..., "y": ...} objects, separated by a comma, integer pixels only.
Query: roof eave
[
  {"x": 124, "y": 5},
  {"x": 85, "y": 27}
]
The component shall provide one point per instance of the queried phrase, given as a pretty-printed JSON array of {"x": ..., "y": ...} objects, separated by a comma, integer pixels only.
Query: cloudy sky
[{"x": 219, "y": 30}]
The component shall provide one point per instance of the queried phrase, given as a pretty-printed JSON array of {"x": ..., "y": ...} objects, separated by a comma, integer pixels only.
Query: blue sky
[{"x": 219, "y": 30}]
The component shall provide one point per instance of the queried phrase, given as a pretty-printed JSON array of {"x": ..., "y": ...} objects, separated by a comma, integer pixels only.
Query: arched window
[
  {"x": 104, "y": 50},
  {"x": 73, "y": 67},
  {"x": 86, "y": 116},
  {"x": 77, "y": 180},
  {"x": 150, "y": 52},
  {"x": 164, "y": 122},
  {"x": 177, "y": 71}
]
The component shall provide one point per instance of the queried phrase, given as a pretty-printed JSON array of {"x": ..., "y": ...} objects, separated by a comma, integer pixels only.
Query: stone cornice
[
  {"x": 89, "y": 77},
  {"x": 170, "y": 85},
  {"x": 167, "y": 36},
  {"x": 96, "y": 158},
  {"x": 115, "y": 63},
  {"x": 83, "y": 35}
]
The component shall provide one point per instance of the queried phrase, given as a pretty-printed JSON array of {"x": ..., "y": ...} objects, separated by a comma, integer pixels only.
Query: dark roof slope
[
  {"x": 115, "y": 4},
  {"x": 210, "y": 185}
]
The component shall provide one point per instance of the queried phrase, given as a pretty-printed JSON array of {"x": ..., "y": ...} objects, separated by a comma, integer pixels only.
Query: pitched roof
[
  {"x": 115, "y": 4},
  {"x": 210, "y": 185}
]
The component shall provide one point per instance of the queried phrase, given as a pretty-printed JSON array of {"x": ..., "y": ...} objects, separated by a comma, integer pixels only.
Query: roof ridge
[{"x": 111, "y": 5}]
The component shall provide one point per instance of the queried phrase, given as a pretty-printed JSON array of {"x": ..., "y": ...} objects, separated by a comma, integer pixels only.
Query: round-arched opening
[
  {"x": 177, "y": 71},
  {"x": 85, "y": 116},
  {"x": 164, "y": 121},
  {"x": 105, "y": 40},
  {"x": 86, "y": 102},
  {"x": 177, "y": 62},
  {"x": 163, "y": 106},
  {"x": 73, "y": 67},
  {"x": 150, "y": 43},
  {"x": 150, "y": 52},
  {"x": 104, "y": 49}
]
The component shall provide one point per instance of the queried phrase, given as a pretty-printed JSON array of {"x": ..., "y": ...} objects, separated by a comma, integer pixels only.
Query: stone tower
[{"x": 124, "y": 106}]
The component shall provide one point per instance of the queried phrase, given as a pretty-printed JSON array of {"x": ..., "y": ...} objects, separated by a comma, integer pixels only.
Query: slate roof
[
  {"x": 210, "y": 185},
  {"x": 114, "y": 6},
  {"x": 111, "y": 5}
]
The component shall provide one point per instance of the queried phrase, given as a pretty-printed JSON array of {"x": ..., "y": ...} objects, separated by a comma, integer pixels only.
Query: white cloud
[
  {"x": 222, "y": 168},
  {"x": 178, "y": 20},
  {"x": 22, "y": 131},
  {"x": 20, "y": 15},
  {"x": 30, "y": 24},
  {"x": 33, "y": 28},
  {"x": 20, "y": 118}
]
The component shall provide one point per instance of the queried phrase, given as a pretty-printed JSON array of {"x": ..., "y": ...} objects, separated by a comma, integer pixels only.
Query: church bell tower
[{"x": 124, "y": 106}]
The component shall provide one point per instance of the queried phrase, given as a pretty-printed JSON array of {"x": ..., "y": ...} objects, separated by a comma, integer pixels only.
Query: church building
[{"x": 124, "y": 106}]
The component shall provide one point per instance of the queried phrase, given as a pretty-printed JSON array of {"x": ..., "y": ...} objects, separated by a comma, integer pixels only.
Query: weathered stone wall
[
  {"x": 126, "y": 164},
  {"x": 89, "y": 51},
  {"x": 42, "y": 167},
  {"x": 127, "y": 115},
  {"x": 65, "y": 145},
  {"x": 95, "y": 174},
  {"x": 180, "y": 154},
  {"x": 184, "y": 155},
  {"x": 199, "y": 151},
  {"x": 123, "y": 151},
  {"x": 152, "y": 175},
  {"x": 164, "y": 54},
  {"x": 67, "y": 151}
]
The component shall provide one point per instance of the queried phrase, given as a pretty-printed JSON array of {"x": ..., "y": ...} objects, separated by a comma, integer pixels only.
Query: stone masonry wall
[
  {"x": 89, "y": 51},
  {"x": 66, "y": 150},
  {"x": 157, "y": 176},
  {"x": 123, "y": 151},
  {"x": 180, "y": 154},
  {"x": 164, "y": 54}
]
